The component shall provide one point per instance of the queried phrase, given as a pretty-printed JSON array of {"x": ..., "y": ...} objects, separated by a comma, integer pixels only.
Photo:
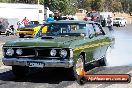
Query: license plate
[{"x": 36, "y": 65}]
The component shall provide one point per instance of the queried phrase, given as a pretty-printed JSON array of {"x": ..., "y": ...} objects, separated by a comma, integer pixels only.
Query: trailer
[
  {"x": 16, "y": 12},
  {"x": 33, "y": 12}
]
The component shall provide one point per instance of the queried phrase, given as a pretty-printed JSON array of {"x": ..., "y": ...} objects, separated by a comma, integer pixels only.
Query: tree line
[{"x": 71, "y": 6}]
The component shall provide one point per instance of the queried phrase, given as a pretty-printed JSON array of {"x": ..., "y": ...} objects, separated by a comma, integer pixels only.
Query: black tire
[
  {"x": 125, "y": 24},
  {"x": 117, "y": 25},
  {"x": 74, "y": 73},
  {"x": 81, "y": 80},
  {"x": 102, "y": 61},
  {"x": 21, "y": 35},
  {"x": 20, "y": 71},
  {"x": 7, "y": 33},
  {"x": 120, "y": 25}
]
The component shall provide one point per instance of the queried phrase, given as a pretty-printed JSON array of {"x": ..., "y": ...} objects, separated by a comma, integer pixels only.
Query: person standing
[
  {"x": 97, "y": 20},
  {"x": 109, "y": 22},
  {"x": 57, "y": 16},
  {"x": 25, "y": 21},
  {"x": 50, "y": 19}
]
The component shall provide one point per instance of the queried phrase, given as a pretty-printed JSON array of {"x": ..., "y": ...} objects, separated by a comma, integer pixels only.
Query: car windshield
[
  {"x": 29, "y": 26},
  {"x": 63, "y": 29},
  {"x": 118, "y": 19}
]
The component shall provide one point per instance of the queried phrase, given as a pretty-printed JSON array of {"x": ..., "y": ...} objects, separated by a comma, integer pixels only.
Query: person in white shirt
[{"x": 109, "y": 22}]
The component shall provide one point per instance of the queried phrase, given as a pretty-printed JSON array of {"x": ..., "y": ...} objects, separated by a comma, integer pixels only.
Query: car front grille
[
  {"x": 27, "y": 52},
  {"x": 37, "y": 53},
  {"x": 45, "y": 53},
  {"x": 25, "y": 29}
]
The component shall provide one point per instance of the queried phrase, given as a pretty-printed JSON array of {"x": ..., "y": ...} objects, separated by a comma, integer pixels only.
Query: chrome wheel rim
[{"x": 79, "y": 66}]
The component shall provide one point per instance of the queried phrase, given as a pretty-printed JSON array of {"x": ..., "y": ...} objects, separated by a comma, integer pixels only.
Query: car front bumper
[
  {"x": 66, "y": 63},
  {"x": 25, "y": 32}
]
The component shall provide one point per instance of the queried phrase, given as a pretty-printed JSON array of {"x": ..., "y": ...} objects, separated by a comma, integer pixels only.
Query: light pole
[
  {"x": 45, "y": 10},
  {"x": 38, "y": 10}
]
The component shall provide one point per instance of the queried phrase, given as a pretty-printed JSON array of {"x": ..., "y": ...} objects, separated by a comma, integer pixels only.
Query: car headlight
[
  {"x": 19, "y": 52},
  {"x": 63, "y": 53},
  {"x": 9, "y": 52},
  {"x": 53, "y": 52}
]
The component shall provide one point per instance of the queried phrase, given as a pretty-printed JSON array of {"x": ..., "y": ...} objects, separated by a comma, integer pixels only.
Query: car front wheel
[
  {"x": 21, "y": 35},
  {"x": 20, "y": 71},
  {"x": 78, "y": 70}
]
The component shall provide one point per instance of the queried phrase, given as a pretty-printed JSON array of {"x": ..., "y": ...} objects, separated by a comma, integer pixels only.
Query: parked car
[
  {"x": 120, "y": 21},
  {"x": 29, "y": 29},
  {"x": 66, "y": 44}
]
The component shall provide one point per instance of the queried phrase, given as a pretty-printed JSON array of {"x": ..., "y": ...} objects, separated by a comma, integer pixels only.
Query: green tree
[
  {"x": 71, "y": 6},
  {"x": 64, "y": 6},
  {"x": 116, "y": 6}
]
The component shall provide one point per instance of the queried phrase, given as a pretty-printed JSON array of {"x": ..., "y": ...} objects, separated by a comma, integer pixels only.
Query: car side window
[
  {"x": 80, "y": 28},
  {"x": 98, "y": 29}
]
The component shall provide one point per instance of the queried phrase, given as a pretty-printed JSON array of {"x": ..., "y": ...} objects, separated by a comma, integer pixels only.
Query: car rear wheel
[
  {"x": 125, "y": 24},
  {"x": 21, "y": 35},
  {"x": 102, "y": 61},
  {"x": 20, "y": 71},
  {"x": 120, "y": 25}
]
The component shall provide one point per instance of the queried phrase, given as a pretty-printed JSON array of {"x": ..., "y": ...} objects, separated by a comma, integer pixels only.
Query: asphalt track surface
[{"x": 119, "y": 62}]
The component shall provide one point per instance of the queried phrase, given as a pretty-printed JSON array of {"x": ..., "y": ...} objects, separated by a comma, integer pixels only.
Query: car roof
[{"x": 72, "y": 21}]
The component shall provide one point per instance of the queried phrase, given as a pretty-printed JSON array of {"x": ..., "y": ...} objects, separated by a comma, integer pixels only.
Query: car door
[
  {"x": 89, "y": 44},
  {"x": 94, "y": 48},
  {"x": 103, "y": 40}
]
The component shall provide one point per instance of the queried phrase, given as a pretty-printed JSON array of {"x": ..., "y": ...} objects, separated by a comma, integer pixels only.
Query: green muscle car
[{"x": 66, "y": 44}]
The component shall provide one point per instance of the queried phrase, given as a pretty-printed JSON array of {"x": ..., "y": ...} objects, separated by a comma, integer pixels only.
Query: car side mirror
[
  {"x": 44, "y": 29},
  {"x": 91, "y": 36}
]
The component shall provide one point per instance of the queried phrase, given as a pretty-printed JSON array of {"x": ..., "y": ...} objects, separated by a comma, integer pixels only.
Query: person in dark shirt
[{"x": 57, "y": 16}]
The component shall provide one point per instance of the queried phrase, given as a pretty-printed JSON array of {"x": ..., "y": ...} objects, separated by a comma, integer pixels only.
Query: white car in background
[
  {"x": 70, "y": 17},
  {"x": 119, "y": 21}
]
